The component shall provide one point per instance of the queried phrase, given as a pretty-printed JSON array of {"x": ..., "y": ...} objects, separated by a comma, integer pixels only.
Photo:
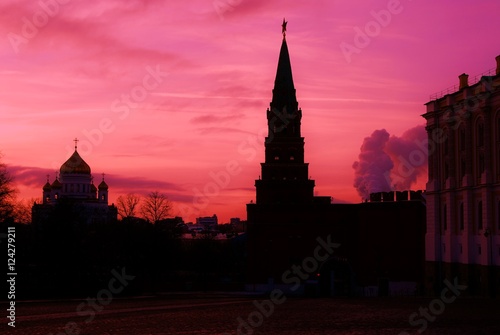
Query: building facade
[
  {"x": 463, "y": 190},
  {"x": 74, "y": 187}
]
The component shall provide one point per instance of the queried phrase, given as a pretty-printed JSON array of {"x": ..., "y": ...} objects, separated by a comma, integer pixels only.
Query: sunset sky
[{"x": 163, "y": 95}]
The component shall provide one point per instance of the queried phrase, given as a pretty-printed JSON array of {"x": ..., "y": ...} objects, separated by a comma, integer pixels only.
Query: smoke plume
[
  {"x": 373, "y": 163},
  {"x": 390, "y": 163}
]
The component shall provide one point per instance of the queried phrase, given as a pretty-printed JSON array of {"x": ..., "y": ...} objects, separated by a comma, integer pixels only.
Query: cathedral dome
[
  {"x": 75, "y": 165},
  {"x": 47, "y": 187}
]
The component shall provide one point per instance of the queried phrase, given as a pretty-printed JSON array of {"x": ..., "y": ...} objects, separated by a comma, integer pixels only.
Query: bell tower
[{"x": 285, "y": 177}]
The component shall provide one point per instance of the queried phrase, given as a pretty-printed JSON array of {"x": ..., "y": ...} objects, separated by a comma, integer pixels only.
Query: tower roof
[
  {"x": 103, "y": 185},
  {"x": 75, "y": 164},
  {"x": 284, "y": 89},
  {"x": 56, "y": 184}
]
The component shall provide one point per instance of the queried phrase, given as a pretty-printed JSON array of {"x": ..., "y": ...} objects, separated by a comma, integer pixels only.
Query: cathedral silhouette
[{"x": 74, "y": 187}]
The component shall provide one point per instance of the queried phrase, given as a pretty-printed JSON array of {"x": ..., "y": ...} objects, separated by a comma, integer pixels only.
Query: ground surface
[{"x": 222, "y": 314}]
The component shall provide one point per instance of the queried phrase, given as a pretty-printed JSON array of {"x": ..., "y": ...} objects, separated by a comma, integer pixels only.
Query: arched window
[
  {"x": 445, "y": 165},
  {"x": 461, "y": 154},
  {"x": 479, "y": 150},
  {"x": 461, "y": 138},
  {"x": 445, "y": 218},
  {"x": 480, "y": 134},
  {"x": 461, "y": 217},
  {"x": 498, "y": 216},
  {"x": 480, "y": 215},
  {"x": 497, "y": 145}
]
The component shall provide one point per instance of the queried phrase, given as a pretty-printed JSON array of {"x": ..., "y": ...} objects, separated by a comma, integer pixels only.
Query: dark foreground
[{"x": 219, "y": 314}]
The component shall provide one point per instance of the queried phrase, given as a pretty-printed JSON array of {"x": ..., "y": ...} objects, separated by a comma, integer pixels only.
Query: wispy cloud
[{"x": 211, "y": 118}]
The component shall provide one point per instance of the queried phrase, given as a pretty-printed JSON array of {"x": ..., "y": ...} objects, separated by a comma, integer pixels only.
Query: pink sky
[{"x": 207, "y": 106}]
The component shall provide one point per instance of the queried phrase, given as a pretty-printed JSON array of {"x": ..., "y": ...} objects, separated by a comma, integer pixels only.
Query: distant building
[
  {"x": 379, "y": 246},
  {"x": 208, "y": 222},
  {"x": 74, "y": 187},
  {"x": 463, "y": 191},
  {"x": 238, "y": 225}
]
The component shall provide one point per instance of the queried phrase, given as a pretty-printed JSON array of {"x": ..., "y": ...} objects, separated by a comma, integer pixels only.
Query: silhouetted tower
[
  {"x": 103, "y": 191},
  {"x": 285, "y": 177}
]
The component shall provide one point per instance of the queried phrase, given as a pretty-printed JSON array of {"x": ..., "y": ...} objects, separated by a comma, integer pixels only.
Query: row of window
[
  {"x": 277, "y": 158},
  {"x": 478, "y": 249},
  {"x": 478, "y": 220},
  {"x": 478, "y": 151}
]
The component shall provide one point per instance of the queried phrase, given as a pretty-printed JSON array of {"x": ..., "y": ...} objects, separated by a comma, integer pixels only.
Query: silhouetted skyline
[{"x": 201, "y": 77}]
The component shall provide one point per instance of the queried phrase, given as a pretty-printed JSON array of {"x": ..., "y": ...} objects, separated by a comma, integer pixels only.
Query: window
[
  {"x": 480, "y": 134},
  {"x": 498, "y": 128},
  {"x": 444, "y": 248},
  {"x": 56, "y": 196},
  {"x": 462, "y": 167},
  {"x": 461, "y": 216},
  {"x": 479, "y": 150},
  {"x": 461, "y": 136},
  {"x": 276, "y": 158},
  {"x": 445, "y": 218},
  {"x": 498, "y": 215},
  {"x": 481, "y": 163},
  {"x": 497, "y": 136},
  {"x": 292, "y": 158},
  {"x": 445, "y": 144},
  {"x": 461, "y": 248},
  {"x": 480, "y": 215}
]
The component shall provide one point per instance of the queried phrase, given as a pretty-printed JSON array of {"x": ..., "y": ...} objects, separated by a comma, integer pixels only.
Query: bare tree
[
  {"x": 22, "y": 210},
  {"x": 156, "y": 207},
  {"x": 7, "y": 193},
  {"x": 127, "y": 205}
]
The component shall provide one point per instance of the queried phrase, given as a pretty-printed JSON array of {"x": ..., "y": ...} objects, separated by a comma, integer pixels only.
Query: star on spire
[{"x": 283, "y": 27}]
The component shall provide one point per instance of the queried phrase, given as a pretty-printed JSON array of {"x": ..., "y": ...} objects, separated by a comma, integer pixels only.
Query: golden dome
[{"x": 75, "y": 164}]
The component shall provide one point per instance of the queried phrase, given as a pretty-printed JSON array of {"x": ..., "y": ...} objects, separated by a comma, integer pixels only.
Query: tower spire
[
  {"x": 284, "y": 98},
  {"x": 284, "y": 172},
  {"x": 76, "y": 140},
  {"x": 283, "y": 28}
]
